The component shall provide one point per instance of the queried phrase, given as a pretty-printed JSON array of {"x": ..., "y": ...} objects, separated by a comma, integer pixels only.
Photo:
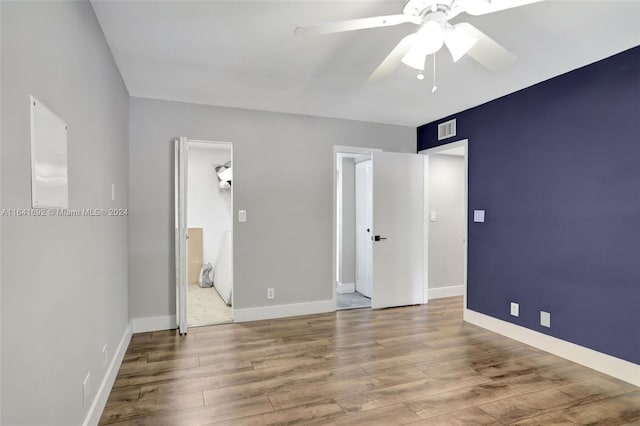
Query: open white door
[
  {"x": 180, "y": 181},
  {"x": 363, "y": 228},
  {"x": 398, "y": 229}
]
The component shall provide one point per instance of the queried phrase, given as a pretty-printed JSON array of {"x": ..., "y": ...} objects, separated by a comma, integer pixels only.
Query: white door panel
[
  {"x": 363, "y": 227},
  {"x": 398, "y": 210}
]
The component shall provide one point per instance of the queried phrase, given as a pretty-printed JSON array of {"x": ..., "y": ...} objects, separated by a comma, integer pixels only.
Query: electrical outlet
[
  {"x": 86, "y": 390},
  {"x": 515, "y": 309},
  {"x": 545, "y": 319},
  {"x": 271, "y": 293},
  {"x": 105, "y": 356}
]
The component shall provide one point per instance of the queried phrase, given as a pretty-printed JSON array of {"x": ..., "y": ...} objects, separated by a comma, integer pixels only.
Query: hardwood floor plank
[
  {"x": 123, "y": 396},
  {"x": 520, "y": 407},
  {"x": 308, "y": 394},
  {"x": 323, "y": 411},
  {"x": 551, "y": 419},
  {"x": 457, "y": 399},
  {"x": 204, "y": 415},
  {"x": 392, "y": 415},
  {"x": 617, "y": 410},
  {"x": 283, "y": 382},
  {"x": 418, "y": 365},
  {"x": 407, "y": 391},
  {"x": 151, "y": 377},
  {"x": 142, "y": 408},
  {"x": 468, "y": 416},
  {"x": 160, "y": 366}
]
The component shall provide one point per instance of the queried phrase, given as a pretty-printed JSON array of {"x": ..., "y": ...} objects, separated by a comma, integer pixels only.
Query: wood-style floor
[{"x": 415, "y": 365}]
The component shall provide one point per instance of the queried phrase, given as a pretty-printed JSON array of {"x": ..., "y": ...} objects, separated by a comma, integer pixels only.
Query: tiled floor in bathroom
[{"x": 352, "y": 301}]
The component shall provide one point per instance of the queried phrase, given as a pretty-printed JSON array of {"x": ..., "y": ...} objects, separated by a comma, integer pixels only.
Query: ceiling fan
[{"x": 435, "y": 31}]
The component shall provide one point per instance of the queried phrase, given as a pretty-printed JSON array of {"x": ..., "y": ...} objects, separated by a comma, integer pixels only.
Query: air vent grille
[{"x": 447, "y": 129}]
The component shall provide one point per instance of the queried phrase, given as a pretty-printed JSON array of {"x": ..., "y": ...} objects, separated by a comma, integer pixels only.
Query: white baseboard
[
  {"x": 440, "y": 292},
  {"x": 607, "y": 364},
  {"x": 343, "y": 288},
  {"x": 283, "y": 311},
  {"x": 142, "y": 325},
  {"x": 102, "y": 395}
]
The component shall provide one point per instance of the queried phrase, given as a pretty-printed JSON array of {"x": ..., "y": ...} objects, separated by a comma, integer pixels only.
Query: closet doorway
[{"x": 204, "y": 206}]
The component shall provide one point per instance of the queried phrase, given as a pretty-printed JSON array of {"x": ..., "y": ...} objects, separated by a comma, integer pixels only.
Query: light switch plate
[
  {"x": 242, "y": 215},
  {"x": 478, "y": 216},
  {"x": 433, "y": 216}
]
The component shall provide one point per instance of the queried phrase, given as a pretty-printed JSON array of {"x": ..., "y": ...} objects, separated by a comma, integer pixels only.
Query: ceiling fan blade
[
  {"x": 459, "y": 42},
  {"x": 483, "y": 7},
  {"x": 487, "y": 51},
  {"x": 393, "y": 59},
  {"x": 355, "y": 24}
]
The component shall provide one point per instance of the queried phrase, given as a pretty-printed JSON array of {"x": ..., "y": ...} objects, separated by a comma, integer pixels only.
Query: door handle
[{"x": 378, "y": 238}]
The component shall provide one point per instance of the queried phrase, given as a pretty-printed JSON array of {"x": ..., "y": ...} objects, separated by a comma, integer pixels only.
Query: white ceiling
[{"x": 244, "y": 54}]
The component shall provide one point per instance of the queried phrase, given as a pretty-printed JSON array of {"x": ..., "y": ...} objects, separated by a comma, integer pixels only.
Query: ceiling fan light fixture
[
  {"x": 459, "y": 43},
  {"x": 415, "y": 58},
  {"x": 429, "y": 39}
]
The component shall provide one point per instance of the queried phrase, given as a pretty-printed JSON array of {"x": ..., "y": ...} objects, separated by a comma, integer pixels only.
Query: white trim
[
  {"x": 164, "y": 322},
  {"x": 343, "y": 149},
  {"x": 346, "y": 288},
  {"x": 607, "y": 364},
  {"x": 440, "y": 292},
  {"x": 425, "y": 219},
  {"x": 283, "y": 311},
  {"x": 100, "y": 400}
]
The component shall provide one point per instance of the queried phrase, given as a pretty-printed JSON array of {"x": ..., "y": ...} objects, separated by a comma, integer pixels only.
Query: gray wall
[
  {"x": 64, "y": 279},
  {"x": 282, "y": 176},
  {"x": 348, "y": 265},
  {"x": 446, "y": 198}
]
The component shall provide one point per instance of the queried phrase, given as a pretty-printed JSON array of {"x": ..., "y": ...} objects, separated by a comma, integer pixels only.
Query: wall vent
[{"x": 447, "y": 129}]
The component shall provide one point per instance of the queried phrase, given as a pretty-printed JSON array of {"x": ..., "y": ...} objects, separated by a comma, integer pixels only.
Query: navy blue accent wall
[{"x": 556, "y": 166}]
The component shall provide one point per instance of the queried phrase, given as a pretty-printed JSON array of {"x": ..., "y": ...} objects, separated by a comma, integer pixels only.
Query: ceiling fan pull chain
[{"x": 434, "y": 75}]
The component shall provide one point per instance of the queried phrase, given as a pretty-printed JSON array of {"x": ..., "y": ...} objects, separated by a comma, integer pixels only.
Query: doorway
[
  {"x": 353, "y": 284},
  {"x": 385, "y": 214},
  {"x": 204, "y": 206},
  {"x": 446, "y": 220}
]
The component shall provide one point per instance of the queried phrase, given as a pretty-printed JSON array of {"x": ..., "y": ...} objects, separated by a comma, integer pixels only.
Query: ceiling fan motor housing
[{"x": 428, "y": 10}]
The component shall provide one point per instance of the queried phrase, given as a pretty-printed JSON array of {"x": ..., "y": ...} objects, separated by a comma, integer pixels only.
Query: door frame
[
  {"x": 182, "y": 203},
  {"x": 436, "y": 150},
  {"x": 337, "y": 191}
]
